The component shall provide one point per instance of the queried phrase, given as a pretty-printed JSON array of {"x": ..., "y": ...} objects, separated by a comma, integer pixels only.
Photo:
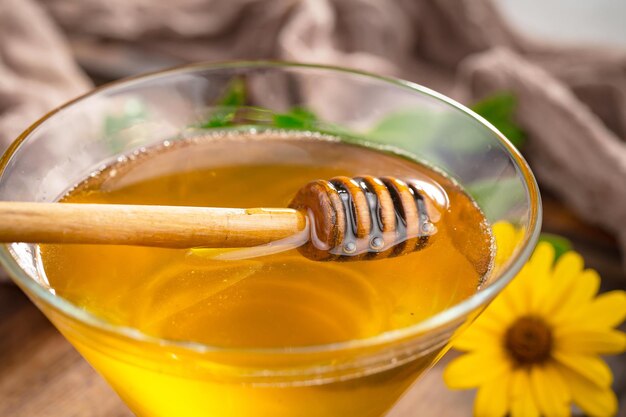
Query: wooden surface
[
  {"x": 146, "y": 225},
  {"x": 42, "y": 375}
]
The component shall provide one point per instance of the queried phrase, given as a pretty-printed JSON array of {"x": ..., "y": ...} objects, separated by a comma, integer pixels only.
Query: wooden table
[{"x": 42, "y": 375}]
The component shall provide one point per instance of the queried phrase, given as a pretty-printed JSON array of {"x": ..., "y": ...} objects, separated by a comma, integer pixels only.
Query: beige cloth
[
  {"x": 37, "y": 71},
  {"x": 572, "y": 102}
]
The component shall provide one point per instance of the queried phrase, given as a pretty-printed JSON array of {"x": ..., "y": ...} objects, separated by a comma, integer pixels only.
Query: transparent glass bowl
[{"x": 365, "y": 377}]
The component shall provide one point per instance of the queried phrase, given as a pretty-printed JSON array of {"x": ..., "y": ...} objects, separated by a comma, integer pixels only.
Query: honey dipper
[{"x": 350, "y": 218}]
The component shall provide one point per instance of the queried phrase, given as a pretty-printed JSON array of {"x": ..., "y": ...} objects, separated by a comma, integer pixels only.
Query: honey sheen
[{"x": 278, "y": 300}]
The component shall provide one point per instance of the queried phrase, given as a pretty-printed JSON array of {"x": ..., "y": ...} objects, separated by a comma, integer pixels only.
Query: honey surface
[{"x": 276, "y": 300}]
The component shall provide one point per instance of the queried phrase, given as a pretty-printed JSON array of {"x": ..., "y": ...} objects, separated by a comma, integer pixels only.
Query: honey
[{"x": 273, "y": 300}]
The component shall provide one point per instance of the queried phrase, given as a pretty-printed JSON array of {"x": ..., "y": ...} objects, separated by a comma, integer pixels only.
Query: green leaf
[
  {"x": 132, "y": 112},
  {"x": 409, "y": 127},
  {"x": 296, "y": 118},
  {"x": 221, "y": 117},
  {"x": 423, "y": 129},
  {"x": 497, "y": 197},
  {"x": 499, "y": 110},
  {"x": 116, "y": 125},
  {"x": 415, "y": 130},
  {"x": 561, "y": 245},
  {"x": 226, "y": 107},
  {"x": 235, "y": 94}
]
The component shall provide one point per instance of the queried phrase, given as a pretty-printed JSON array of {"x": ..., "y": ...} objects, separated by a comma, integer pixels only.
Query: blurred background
[
  {"x": 598, "y": 23},
  {"x": 551, "y": 74}
]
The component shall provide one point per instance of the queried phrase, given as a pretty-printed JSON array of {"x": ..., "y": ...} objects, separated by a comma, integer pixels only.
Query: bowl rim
[{"x": 447, "y": 316}]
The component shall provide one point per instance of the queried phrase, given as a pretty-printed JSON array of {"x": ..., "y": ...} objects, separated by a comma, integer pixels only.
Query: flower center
[{"x": 529, "y": 341}]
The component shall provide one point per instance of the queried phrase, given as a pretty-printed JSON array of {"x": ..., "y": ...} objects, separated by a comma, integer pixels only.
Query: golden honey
[{"x": 264, "y": 303}]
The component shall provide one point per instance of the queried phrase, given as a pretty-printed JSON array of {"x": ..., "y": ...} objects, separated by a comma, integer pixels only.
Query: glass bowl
[{"x": 365, "y": 377}]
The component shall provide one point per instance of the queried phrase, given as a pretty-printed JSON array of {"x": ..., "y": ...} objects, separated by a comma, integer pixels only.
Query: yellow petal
[
  {"x": 532, "y": 284},
  {"x": 550, "y": 391},
  {"x": 581, "y": 291},
  {"x": 522, "y": 400},
  {"x": 589, "y": 341},
  {"x": 607, "y": 310},
  {"x": 492, "y": 399},
  {"x": 593, "y": 400},
  {"x": 498, "y": 314},
  {"x": 541, "y": 291},
  {"x": 587, "y": 366},
  {"x": 488, "y": 329},
  {"x": 564, "y": 282},
  {"x": 568, "y": 265},
  {"x": 474, "y": 369},
  {"x": 517, "y": 297},
  {"x": 506, "y": 239},
  {"x": 477, "y": 337},
  {"x": 539, "y": 280},
  {"x": 542, "y": 259}
]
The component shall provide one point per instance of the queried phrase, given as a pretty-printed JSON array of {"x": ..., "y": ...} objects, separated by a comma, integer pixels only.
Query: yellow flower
[{"x": 534, "y": 351}]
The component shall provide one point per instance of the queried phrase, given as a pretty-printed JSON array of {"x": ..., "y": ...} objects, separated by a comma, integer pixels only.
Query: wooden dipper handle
[
  {"x": 350, "y": 219},
  {"x": 144, "y": 225}
]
